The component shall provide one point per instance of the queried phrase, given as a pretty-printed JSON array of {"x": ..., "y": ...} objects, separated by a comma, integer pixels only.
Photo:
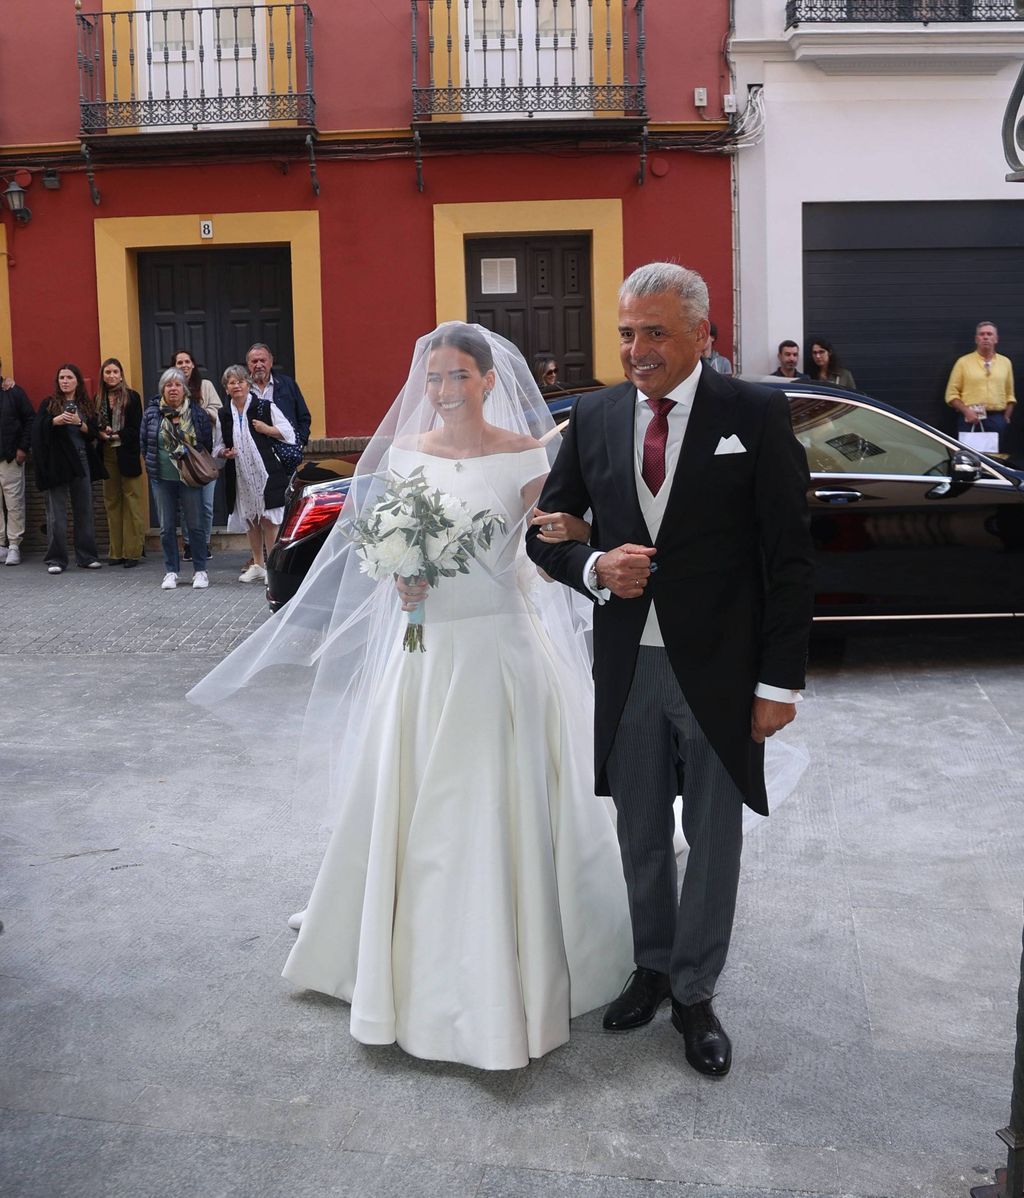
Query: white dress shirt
[{"x": 653, "y": 506}]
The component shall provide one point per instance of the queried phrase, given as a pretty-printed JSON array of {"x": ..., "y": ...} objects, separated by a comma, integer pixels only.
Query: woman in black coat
[
  {"x": 64, "y": 437},
  {"x": 125, "y": 494}
]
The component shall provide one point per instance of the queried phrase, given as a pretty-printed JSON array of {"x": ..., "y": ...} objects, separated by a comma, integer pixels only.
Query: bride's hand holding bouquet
[{"x": 419, "y": 536}]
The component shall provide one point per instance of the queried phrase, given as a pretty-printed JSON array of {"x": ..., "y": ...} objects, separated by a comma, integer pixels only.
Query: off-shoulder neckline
[{"x": 477, "y": 457}]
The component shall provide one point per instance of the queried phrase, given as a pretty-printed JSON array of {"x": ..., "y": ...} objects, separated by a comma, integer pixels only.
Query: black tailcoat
[{"x": 733, "y": 587}]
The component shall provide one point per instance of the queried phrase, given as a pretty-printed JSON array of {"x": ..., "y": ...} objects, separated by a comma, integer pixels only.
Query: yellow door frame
[
  {"x": 601, "y": 219},
  {"x": 119, "y": 240}
]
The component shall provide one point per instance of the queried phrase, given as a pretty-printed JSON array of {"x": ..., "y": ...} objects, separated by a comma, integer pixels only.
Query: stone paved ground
[
  {"x": 148, "y": 1045},
  {"x": 124, "y": 611}
]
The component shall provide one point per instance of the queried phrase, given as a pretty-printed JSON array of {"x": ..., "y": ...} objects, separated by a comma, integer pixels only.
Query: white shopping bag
[{"x": 981, "y": 441}]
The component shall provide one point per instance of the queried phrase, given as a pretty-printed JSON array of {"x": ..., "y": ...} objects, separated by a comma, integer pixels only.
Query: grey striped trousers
[{"x": 657, "y": 739}]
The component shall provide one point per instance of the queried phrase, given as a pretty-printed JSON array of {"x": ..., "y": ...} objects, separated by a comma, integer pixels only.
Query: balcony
[
  {"x": 169, "y": 73},
  {"x": 926, "y": 37},
  {"x": 890, "y": 11},
  {"x": 578, "y": 62}
]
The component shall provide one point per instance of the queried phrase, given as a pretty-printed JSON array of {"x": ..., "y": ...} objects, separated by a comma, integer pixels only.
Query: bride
[{"x": 471, "y": 899}]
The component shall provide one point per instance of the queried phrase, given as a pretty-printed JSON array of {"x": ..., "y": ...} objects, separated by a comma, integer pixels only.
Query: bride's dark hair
[{"x": 468, "y": 341}]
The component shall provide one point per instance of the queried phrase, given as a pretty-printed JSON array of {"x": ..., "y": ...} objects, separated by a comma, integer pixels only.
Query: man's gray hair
[
  {"x": 236, "y": 372},
  {"x": 656, "y": 278},
  {"x": 259, "y": 345},
  {"x": 168, "y": 376},
  {"x": 985, "y": 324}
]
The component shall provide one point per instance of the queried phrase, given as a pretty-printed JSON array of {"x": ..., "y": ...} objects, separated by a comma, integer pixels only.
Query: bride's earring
[{"x": 487, "y": 394}]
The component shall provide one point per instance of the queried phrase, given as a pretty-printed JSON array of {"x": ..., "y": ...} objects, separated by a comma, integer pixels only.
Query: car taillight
[{"x": 315, "y": 512}]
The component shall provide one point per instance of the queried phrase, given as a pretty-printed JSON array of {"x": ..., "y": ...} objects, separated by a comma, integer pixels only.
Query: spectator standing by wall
[
  {"x": 202, "y": 393},
  {"x": 16, "y": 417},
  {"x": 125, "y": 495},
  {"x": 826, "y": 366},
  {"x": 167, "y": 421},
  {"x": 980, "y": 387},
  {"x": 64, "y": 437},
  {"x": 254, "y": 480},
  {"x": 282, "y": 391},
  {"x": 714, "y": 359},
  {"x": 789, "y": 356}
]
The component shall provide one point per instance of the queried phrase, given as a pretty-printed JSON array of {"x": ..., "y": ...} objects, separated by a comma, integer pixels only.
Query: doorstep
[{"x": 221, "y": 542}]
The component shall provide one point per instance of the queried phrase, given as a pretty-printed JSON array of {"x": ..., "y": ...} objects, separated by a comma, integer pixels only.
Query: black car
[
  {"x": 313, "y": 503},
  {"x": 906, "y": 522}
]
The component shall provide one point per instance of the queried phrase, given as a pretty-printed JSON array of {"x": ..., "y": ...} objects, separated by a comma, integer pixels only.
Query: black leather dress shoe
[
  {"x": 707, "y": 1046},
  {"x": 115, "y": 561},
  {"x": 642, "y": 995}
]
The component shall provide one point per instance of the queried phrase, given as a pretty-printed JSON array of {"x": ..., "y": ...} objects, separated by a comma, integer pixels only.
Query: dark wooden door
[
  {"x": 536, "y": 292},
  {"x": 214, "y": 303}
]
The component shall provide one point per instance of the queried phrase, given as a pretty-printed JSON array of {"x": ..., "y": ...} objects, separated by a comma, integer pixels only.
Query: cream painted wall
[{"x": 840, "y": 138}]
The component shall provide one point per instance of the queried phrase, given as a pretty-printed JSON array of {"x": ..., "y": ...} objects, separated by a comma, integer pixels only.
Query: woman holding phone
[{"x": 64, "y": 436}]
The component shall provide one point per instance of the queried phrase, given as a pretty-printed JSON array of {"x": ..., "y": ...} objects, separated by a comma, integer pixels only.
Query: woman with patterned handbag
[
  {"x": 203, "y": 394},
  {"x": 170, "y": 424},
  {"x": 250, "y": 433}
]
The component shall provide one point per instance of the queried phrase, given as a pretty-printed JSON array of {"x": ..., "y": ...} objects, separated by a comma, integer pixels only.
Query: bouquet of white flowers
[{"x": 412, "y": 532}]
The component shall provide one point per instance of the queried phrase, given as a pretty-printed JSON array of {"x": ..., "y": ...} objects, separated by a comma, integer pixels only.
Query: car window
[{"x": 845, "y": 438}]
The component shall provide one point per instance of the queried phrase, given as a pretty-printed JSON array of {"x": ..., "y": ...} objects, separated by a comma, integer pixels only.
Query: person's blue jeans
[
  {"x": 207, "y": 494},
  {"x": 169, "y": 493}
]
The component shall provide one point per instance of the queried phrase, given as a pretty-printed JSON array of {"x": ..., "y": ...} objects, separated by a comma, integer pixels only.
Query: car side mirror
[{"x": 964, "y": 467}]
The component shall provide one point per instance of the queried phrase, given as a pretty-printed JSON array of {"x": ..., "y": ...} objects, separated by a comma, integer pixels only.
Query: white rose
[
  {"x": 390, "y": 553},
  {"x": 455, "y": 511},
  {"x": 369, "y": 564},
  {"x": 391, "y": 521},
  {"x": 442, "y": 550},
  {"x": 411, "y": 565}
]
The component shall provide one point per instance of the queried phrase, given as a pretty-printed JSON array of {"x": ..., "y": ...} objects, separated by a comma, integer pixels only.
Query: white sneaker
[
  {"x": 253, "y": 573},
  {"x": 201, "y": 581},
  {"x": 170, "y": 581},
  {"x": 3, "y": 553},
  {"x": 54, "y": 569},
  {"x": 13, "y": 556},
  {"x": 295, "y": 921}
]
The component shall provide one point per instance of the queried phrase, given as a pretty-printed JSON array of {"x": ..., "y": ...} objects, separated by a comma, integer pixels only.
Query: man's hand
[
  {"x": 625, "y": 571},
  {"x": 767, "y": 717}
]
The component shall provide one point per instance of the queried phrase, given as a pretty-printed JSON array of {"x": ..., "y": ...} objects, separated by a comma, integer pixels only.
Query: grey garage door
[{"x": 899, "y": 287}]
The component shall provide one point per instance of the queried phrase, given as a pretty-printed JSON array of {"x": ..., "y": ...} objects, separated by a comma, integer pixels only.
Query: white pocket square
[{"x": 730, "y": 445}]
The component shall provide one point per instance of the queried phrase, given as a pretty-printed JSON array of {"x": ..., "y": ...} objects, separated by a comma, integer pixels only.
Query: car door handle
[{"x": 828, "y": 496}]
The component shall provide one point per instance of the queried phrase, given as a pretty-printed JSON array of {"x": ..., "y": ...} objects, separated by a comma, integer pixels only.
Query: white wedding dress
[{"x": 471, "y": 900}]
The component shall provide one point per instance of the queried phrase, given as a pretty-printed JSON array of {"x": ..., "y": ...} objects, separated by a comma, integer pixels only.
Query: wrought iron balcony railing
[
  {"x": 897, "y": 11},
  {"x": 184, "y": 67},
  {"x": 524, "y": 58}
]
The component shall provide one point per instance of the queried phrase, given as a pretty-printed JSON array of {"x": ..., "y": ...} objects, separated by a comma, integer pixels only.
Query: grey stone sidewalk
[{"x": 148, "y": 1045}]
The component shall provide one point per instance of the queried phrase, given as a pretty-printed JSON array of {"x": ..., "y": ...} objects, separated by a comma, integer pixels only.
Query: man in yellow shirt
[{"x": 980, "y": 387}]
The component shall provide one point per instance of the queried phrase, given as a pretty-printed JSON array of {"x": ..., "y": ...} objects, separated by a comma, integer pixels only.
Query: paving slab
[{"x": 150, "y": 1046}]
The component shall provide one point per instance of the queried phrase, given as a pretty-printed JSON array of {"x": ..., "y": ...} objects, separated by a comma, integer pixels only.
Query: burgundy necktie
[{"x": 655, "y": 440}]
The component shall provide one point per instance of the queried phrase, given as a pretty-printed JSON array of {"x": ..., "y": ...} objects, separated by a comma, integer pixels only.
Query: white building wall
[{"x": 889, "y": 131}]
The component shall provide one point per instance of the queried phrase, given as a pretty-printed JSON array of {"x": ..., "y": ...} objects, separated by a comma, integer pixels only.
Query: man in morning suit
[{"x": 700, "y": 564}]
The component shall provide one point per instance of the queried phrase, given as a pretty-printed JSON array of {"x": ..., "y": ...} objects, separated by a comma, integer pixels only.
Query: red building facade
[{"x": 385, "y": 167}]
